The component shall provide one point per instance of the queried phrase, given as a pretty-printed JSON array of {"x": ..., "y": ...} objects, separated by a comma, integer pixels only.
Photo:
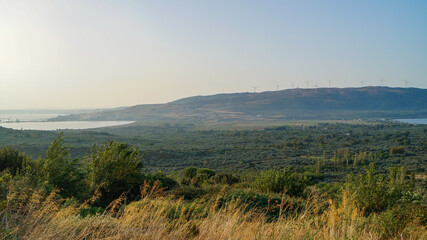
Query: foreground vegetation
[
  {"x": 173, "y": 147},
  {"x": 109, "y": 194}
]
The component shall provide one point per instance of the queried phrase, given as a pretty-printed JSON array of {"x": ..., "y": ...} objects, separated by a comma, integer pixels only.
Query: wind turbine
[
  {"x": 329, "y": 83},
  {"x": 254, "y": 89},
  {"x": 315, "y": 86},
  {"x": 292, "y": 84},
  {"x": 382, "y": 82},
  {"x": 307, "y": 83},
  {"x": 277, "y": 87},
  {"x": 362, "y": 83},
  {"x": 406, "y": 83}
]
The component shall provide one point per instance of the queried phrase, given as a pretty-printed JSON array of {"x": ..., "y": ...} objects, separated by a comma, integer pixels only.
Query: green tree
[
  {"x": 59, "y": 170},
  {"x": 116, "y": 168},
  {"x": 11, "y": 159}
]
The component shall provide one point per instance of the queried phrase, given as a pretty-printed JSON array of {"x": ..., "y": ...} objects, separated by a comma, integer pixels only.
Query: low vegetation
[{"x": 108, "y": 193}]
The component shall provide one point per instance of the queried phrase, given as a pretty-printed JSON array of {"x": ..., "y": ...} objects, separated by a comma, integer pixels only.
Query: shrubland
[
  {"x": 336, "y": 149},
  {"x": 108, "y": 193}
]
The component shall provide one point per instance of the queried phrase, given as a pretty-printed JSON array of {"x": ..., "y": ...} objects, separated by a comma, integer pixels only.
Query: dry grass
[{"x": 34, "y": 216}]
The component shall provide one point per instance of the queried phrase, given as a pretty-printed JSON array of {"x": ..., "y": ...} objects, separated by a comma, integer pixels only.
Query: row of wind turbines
[{"x": 329, "y": 84}]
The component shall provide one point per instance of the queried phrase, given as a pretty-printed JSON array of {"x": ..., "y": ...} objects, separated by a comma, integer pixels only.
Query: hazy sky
[{"x": 95, "y": 54}]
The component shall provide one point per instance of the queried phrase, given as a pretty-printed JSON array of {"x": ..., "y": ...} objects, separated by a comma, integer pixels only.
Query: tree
[
  {"x": 11, "y": 159},
  {"x": 116, "y": 168},
  {"x": 59, "y": 170}
]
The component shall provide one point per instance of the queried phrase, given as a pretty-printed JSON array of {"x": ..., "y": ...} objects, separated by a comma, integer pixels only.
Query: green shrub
[
  {"x": 188, "y": 192},
  {"x": 278, "y": 181},
  {"x": 376, "y": 193},
  {"x": 165, "y": 182},
  {"x": 189, "y": 173},
  {"x": 206, "y": 171},
  {"x": 225, "y": 178},
  {"x": 393, "y": 222},
  {"x": 116, "y": 168},
  {"x": 195, "y": 177},
  {"x": 11, "y": 159},
  {"x": 397, "y": 150},
  {"x": 58, "y": 170},
  {"x": 90, "y": 211}
]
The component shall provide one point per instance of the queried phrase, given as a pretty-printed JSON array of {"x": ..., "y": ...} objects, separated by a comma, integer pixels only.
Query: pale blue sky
[{"x": 96, "y": 54}]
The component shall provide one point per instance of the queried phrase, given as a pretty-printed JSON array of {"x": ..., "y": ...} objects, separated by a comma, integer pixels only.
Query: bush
[
  {"x": 278, "y": 181},
  {"x": 375, "y": 193},
  {"x": 116, "y": 168},
  {"x": 58, "y": 170},
  {"x": 206, "y": 171},
  {"x": 11, "y": 159},
  {"x": 195, "y": 177},
  {"x": 189, "y": 173},
  {"x": 188, "y": 192},
  {"x": 225, "y": 178},
  {"x": 165, "y": 182},
  {"x": 393, "y": 222},
  {"x": 397, "y": 150}
]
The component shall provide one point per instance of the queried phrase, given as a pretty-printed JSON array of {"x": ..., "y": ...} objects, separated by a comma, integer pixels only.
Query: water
[
  {"x": 413, "y": 120},
  {"x": 23, "y": 117},
  {"x": 62, "y": 125},
  {"x": 34, "y": 115}
]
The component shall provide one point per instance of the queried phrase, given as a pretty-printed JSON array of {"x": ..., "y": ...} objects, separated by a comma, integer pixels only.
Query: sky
[{"x": 102, "y": 54}]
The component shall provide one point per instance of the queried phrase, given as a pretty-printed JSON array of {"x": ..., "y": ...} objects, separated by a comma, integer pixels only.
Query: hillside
[{"x": 322, "y": 103}]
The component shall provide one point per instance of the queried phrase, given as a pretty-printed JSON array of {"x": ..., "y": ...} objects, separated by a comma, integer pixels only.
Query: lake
[
  {"x": 62, "y": 125},
  {"x": 413, "y": 120},
  {"x": 36, "y": 115}
]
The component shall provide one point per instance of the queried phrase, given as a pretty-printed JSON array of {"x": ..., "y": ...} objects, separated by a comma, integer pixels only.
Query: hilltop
[{"x": 321, "y": 103}]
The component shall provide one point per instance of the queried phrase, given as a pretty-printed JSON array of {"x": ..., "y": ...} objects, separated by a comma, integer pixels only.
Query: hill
[{"x": 321, "y": 103}]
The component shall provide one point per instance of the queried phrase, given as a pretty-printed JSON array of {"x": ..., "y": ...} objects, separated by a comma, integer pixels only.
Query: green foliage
[
  {"x": 332, "y": 190},
  {"x": 206, "y": 171},
  {"x": 375, "y": 193},
  {"x": 5, "y": 178},
  {"x": 397, "y": 150},
  {"x": 392, "y": 222},
  {"x": 176, "y": 146},
  {"x": 166, "y": 182},
  {"x": 268, "y": 205},
  {"x": 203, "y": 175},
  {"x": 90, "y": 211},
  {"x": 116, "y": 168},
  {"x": 195, "y": 177},
  {"x": 278, "y": 181},
  {"x": 391, "y": 202},
  {"x": 11, "y": 159},
  {"x": 189, "y": 172},
  {"x": 225, "y": 178},
  {"x": 188, "y": 192},
  {"x": 60, "y": 171}
]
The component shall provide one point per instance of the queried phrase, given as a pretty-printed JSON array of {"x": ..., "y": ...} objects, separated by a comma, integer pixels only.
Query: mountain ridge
[{"x": 295, "y": 103}]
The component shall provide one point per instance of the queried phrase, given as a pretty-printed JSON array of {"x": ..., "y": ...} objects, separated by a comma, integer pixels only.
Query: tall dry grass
[{"x": 33, "y": 216}]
